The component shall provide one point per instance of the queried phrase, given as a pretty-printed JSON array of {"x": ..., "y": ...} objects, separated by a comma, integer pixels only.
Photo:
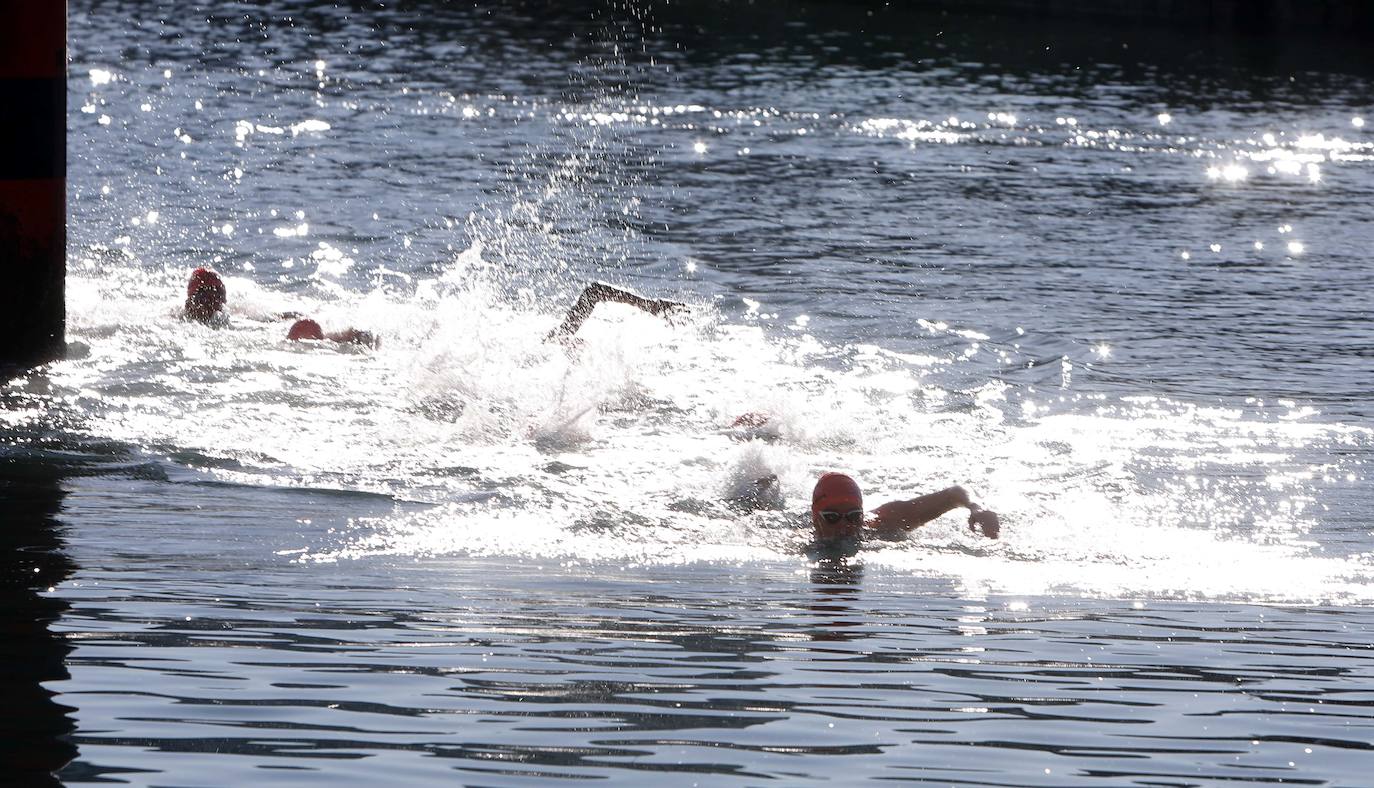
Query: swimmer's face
[
  {"x": 841, "y": 520},
  {"x": 837, "y": 508},
  {"x": 204, "y": 303}
]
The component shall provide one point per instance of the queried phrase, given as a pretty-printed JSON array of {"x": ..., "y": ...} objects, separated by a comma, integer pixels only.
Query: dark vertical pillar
[{"x": 33, "y": 173}]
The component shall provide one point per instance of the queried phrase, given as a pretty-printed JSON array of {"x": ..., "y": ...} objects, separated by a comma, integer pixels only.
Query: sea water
[{"x": 1113, "y": 283}]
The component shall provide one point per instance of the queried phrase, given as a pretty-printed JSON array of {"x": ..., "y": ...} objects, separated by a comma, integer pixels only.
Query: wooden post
[{"x": 33, "y": 181}]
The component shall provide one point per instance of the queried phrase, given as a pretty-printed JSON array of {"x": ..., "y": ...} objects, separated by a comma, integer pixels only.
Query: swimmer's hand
[{"x": 984, "y": 519}]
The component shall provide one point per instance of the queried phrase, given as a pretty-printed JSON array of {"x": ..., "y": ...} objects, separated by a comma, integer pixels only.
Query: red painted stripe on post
[
  {"x": 34, "y": 38},
  {"x": 37, "y": 207}
]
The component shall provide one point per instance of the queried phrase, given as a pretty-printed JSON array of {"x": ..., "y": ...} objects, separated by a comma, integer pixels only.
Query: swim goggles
[{"x": 853, "y": 517}]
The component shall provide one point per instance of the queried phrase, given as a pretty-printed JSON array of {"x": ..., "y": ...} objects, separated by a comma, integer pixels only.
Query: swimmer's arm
[
  {"x": 597, "y": 292},
  {"x": 353, "y": 336},
  {"x": 902, "y": 517}
]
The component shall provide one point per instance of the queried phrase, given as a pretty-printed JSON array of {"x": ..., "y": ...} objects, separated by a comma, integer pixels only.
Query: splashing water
[{"x": 622, "y": 449}]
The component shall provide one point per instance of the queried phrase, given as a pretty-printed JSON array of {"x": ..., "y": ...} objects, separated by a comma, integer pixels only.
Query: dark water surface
[
  {"x": 487, "y": 672},
  {"x": 1114, "y": 282}
]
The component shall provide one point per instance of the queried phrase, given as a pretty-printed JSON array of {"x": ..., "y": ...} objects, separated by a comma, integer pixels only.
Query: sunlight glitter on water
[
  {"x": 1231, "y": 173},
  {"x": 621, "y": 452}
]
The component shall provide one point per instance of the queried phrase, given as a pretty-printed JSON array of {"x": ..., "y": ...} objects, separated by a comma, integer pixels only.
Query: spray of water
[{"x": 623, "y": 448}]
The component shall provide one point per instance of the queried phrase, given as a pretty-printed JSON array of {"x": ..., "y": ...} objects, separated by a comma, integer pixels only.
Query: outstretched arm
[
  {"x": 900, "y": 517},
  {"x": 352, "y": 336},
  {"x": 598, "y": 292}
]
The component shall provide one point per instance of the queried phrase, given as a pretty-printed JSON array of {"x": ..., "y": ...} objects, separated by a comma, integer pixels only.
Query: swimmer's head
[
  {"x": 305, "y": 329},
  {"x": 205, "y": 295},
  {"x": 837, "y": 507}
]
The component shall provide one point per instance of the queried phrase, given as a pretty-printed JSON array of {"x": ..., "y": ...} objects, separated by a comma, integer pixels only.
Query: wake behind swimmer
[{"x": 837, "y": 515}]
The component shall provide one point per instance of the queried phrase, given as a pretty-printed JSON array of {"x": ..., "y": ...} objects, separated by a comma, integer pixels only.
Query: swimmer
[
  {"x": 837, "y": 513},
  {"x": 205, "y": 298},
  {"x": 308, "y": 329}
]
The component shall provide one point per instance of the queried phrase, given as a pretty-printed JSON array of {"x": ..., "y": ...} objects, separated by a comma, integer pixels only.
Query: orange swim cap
[
  {"x": 305, "y": 329},
  {"x": 836, "y": 492}
]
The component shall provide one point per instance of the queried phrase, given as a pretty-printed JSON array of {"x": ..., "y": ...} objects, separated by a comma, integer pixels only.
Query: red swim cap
[
  {"x": 205, "y": 278},
  {"x": 305, "y": 329},
  {"x": 836, "y": 492}
]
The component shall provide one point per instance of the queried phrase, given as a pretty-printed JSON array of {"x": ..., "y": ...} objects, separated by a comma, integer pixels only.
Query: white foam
[{"x": 620, "y": 449}]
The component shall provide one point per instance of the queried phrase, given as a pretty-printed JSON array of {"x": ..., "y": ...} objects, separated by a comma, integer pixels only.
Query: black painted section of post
[{"x": 33, "y": 173}]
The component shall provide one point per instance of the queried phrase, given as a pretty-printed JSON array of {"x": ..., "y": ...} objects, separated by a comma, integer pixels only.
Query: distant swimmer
[
  {"x": 205, "y": 298},
  {"x": 837, "y": 513},
  {"x": 308, "y": 329}
]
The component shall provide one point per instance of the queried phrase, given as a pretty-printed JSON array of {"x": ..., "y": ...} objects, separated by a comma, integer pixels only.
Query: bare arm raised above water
[
  {"x": 901, "y": 517},
  {"x": 597, "y": 292}
]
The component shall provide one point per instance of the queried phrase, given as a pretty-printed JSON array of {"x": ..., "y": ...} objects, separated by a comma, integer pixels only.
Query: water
[{"x": 1115, "y": 287}]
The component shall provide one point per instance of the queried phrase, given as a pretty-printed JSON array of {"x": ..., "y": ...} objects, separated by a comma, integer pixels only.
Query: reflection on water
[
  {"x": 836, "y": 598},
  {"x": 35, "y": 728},
  {"x": 505, "y": 672}
]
